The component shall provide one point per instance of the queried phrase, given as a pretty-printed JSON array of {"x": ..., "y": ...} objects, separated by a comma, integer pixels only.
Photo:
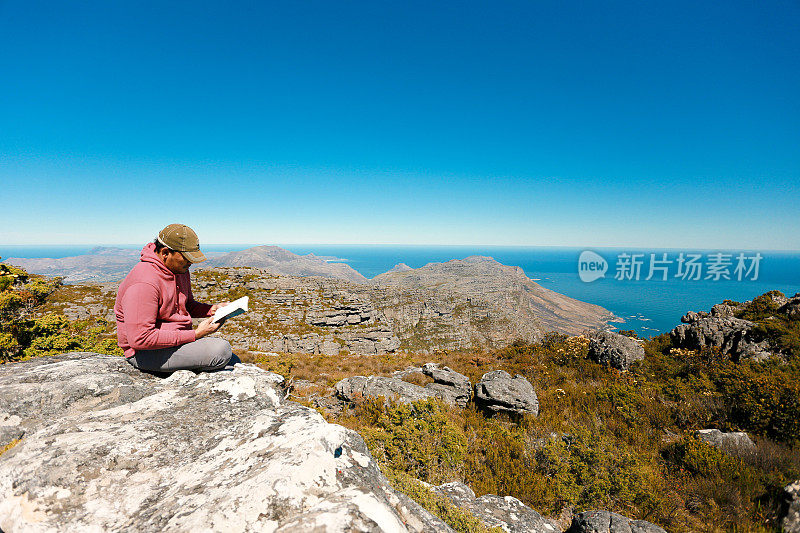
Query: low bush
[{"x": 25, "y": 332}]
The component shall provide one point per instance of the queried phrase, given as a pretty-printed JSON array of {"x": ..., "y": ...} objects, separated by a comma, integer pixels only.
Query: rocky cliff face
[
  {"x": 477, "y": 302},
  {"x": 460, "y": 304},
  {"x": 104, "y": 447},
  {"x": 298, "y": 314}
]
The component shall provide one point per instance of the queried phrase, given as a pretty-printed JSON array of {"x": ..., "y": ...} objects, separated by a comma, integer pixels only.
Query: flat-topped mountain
[
  {"x": 280, "y": 261},
  {"x": 485, "y": 305}
]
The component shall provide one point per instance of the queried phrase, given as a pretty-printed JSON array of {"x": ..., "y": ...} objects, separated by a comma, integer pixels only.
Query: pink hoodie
[{"x": 154, "y": 306}]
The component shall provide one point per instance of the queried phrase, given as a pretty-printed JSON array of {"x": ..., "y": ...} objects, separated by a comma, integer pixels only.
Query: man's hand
[
  {"x": 217, "y": 306},
  {"x": 205, "y": 327}
]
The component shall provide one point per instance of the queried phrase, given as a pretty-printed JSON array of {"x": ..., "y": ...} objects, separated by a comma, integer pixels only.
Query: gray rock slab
[
  {"x": 107, "y": 448},
  {"x": 357, "y": 387},
  {"x": 454, "y": 386},
  {"x": 394, "y": 388},
  {"x": 497, "y": 391}
]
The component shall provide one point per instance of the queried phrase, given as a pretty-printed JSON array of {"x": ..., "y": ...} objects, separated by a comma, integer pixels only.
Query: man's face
[{"x": 175, "y": 261}]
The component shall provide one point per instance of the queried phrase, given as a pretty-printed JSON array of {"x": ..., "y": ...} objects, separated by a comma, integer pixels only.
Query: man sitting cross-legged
[{"x": 155, "y": 306}]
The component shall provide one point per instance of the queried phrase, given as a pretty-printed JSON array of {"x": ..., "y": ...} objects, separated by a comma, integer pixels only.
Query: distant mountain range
[
  {"x": 100, "y": 264},
  {"x": 280, "y": 261},
  {"x": 113, "y": 264}
]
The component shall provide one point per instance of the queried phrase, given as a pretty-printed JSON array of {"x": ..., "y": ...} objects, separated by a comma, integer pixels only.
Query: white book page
[{"x": 239, "y": 305}]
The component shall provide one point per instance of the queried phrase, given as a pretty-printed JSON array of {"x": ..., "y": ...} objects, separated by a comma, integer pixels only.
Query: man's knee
[{"x": 219, "y": 352}]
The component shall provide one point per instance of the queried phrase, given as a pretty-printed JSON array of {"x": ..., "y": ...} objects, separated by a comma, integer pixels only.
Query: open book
[{"x": 231, "y": 310}]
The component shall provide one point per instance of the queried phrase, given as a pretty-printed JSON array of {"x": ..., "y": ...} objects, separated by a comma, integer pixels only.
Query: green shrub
[
  {"x": 735, "y": 487},
  {"x": 22, "y": 336},
  {"x": 763, "y": 398},
  {"x": 761, "y": 307},
  {"x": 420, "y": 438},
  {"x": 10, "y": 303}
]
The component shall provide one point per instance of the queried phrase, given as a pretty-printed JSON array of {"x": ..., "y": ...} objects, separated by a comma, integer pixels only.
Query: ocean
[{"x": 647, "y": 306}]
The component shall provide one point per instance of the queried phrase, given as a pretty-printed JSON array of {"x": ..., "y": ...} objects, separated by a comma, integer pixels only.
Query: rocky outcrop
[
  {"x": 791, "y": 508},
  {"x": 612, "y": 349},
  {"x": 507, "y": 512},
  {"x": 498, "y": 392},
  {"x": 106, "y": 448},
  {"x": 298, "y": 314},
  {"x": 731, "y": 442},
  {"x": 400, "y": 267},
  {"x": 792, "y": 307},
  {"x": 724, "y": 329},
  {"x": 608, "y": 522},
  {"x": 733, "y": 336},
  {"x": 449, "y": 386}
]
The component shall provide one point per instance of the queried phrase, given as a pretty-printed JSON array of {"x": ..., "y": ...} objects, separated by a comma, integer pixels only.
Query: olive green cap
[{"x": 183, "y": 239}]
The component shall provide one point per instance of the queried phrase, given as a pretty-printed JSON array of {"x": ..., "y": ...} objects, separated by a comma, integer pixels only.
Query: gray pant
[{"x": 208, "y": 353}]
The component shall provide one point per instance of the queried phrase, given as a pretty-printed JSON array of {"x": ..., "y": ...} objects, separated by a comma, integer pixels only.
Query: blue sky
[{"x": 673, "y": 124}]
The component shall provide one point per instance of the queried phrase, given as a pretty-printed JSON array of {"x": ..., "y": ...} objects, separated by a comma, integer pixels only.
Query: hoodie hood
[{"x": 149, "y": 255}]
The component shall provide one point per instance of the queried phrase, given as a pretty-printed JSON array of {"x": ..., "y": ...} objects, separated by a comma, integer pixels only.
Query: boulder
[
  {"x": 731, "y": 442},
  {"x": 498, "y": 392},
  {"x": 454, "y": 386},
  {"x": 107, "y": 448},
  {"x": 608, "y": 522},
  {"x": 507, "y": 512},
  {"x": 612, "y": 349},
  {"x": 409, "y": 371},
  {"x": 791, "y": 508}
]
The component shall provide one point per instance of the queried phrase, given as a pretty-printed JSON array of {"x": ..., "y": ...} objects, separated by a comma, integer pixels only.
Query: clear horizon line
[{"x": 417, "y": 245}]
